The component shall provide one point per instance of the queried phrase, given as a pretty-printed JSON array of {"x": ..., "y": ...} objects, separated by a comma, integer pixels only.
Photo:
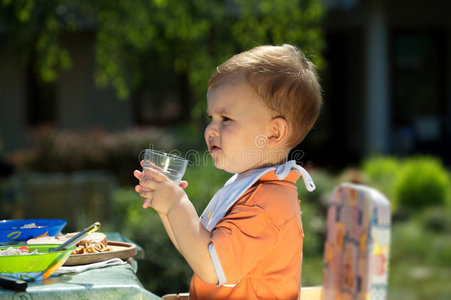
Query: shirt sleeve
[{"x": 241, "y": 239}]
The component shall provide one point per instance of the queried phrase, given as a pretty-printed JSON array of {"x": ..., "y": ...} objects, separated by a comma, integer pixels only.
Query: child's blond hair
[{"x": 283, "y": 78}]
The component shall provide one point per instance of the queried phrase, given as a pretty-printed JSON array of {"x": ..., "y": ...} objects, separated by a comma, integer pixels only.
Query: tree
[{"x": 137, "y": 41}]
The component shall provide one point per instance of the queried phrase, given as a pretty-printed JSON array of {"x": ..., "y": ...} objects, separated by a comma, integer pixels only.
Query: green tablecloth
[{"x": 114, "y": 282}]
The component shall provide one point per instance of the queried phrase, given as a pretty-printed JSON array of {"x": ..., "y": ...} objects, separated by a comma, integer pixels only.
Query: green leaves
[
  {"x": 137, "y": 41},
  {"x": 22, "y": 8},
  {"x": 412, "y": 183}
]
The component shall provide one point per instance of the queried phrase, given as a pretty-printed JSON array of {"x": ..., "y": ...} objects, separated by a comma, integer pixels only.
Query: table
[{"x": 114, "y": 282}]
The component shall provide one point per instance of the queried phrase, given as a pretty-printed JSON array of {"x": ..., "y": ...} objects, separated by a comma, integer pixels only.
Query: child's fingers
[
  {"x": 137, "y": 174},
  {"x": 154, "y": 175},
  {"x": 147, "y": 203},
  {"x": 146, "y": 164},
  {"x": 183, "y": 184},
  {"x": 148, "y": 183},
  {"x": 139, "y": 189},
  {"x": 145, "y": 193},
  {"x": 149, "y": 164}
]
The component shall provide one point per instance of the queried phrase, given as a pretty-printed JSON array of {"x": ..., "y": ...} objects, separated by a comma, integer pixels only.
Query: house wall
[
  {"x": 12, "y": 102},
  {"x": 431, "y": 129},
  {"x": 82, "y": 105},
  {"x": 366, "y": 119}
]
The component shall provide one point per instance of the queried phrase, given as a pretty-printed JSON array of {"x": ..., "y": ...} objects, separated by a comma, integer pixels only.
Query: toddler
[{"x": 247, "y": 244}]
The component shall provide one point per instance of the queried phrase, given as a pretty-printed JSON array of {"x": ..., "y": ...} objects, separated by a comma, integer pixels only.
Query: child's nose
[{"x": 211, "y": 130}]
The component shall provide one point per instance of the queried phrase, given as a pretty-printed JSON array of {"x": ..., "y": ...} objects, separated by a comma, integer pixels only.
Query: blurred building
[
  {"x": 388, "y": 80},
  {"x": 387, "y": 86}
]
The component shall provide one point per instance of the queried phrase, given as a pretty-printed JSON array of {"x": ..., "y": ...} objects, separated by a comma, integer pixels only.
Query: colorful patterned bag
[{"x": 357, "y": 244}]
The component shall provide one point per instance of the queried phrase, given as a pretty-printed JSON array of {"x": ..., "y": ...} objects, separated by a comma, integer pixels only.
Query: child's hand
[{"x": 158, "y": 191}]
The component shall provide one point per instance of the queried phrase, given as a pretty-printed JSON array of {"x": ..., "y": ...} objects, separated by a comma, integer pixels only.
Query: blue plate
[{"x": 13, "y": 231}]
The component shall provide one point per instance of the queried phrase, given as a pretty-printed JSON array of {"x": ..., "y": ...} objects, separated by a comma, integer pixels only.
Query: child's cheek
[{"x": 228, "y": 131}]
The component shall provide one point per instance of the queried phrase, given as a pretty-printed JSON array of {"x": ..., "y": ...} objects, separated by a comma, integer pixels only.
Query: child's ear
[{"x": 278, "y": 132}]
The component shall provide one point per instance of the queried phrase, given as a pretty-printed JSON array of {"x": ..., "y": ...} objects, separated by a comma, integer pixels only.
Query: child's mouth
[{"x": 214, "y": 149}]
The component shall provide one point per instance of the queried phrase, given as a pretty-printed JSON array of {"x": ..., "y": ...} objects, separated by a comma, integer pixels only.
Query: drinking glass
[{"x": 171, "y": 165}]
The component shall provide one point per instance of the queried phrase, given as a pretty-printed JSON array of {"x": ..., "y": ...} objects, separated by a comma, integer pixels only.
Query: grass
[
  {"x": 416, "y": 281},
  {"x": 420, "y": 263},
  {"x": 312, "y": 270}
]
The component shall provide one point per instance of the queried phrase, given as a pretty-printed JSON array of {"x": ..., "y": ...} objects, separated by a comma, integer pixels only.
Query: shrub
[
  {"x": 324, "y": 182},
  {"x": 417, "y": 244},
  {"x": 68, "y": 151},
  {"x": 415, "y": 182},
  {"x": 436, "y": 219},
  {"x": 203, "y": 181},
  {"x": 421, "y": 182},
  {"x": 314, "y": 210},
  {"x": 381, "y": 172}
]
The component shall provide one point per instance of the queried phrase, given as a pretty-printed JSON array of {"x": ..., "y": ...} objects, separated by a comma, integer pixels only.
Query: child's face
[{"x": 237, "y": 134}]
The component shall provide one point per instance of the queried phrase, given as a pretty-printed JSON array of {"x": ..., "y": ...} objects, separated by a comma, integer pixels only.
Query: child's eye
[{"x": 224, "y": 119}]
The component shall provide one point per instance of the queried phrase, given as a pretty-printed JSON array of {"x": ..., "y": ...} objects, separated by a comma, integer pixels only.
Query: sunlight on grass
[{"x": 417, "y": 282}]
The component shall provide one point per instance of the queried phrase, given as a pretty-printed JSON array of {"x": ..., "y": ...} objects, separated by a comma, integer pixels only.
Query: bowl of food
[
  {"x": 12, "y": 231},
  {"x": 32, "y": 262}
]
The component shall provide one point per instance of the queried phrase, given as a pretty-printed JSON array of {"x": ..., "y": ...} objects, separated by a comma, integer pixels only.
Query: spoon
[{"x": 78, "y": 237}]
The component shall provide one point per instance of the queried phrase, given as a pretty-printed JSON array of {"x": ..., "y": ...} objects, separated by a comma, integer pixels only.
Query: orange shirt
[{"x": 259, "y": 244}]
